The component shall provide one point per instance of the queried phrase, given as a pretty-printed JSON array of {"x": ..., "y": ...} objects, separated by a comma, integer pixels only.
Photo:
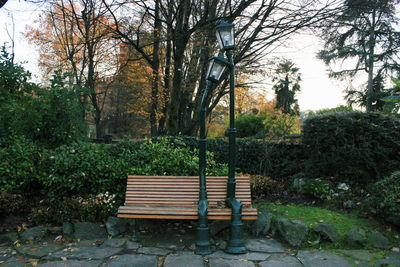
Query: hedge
[{"x": 351, "y": 147}]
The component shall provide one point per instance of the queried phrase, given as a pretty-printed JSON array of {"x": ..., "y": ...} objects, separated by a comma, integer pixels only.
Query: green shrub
[
  {"x": 50, "y": 116},
  {"x": 92, "y": 209},
  {"x": 278, "y": 160},
  {"x": 19, "y": 159},
  {"x": 264, "y": 186},
  {"x": 248, "y": 125},
  {"x": 352, "y": 147},
  {"x": 384, "y": 199}
]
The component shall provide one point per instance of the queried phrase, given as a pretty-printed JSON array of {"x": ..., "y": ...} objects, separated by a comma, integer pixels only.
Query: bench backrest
[{"x": 182, "y": 190}]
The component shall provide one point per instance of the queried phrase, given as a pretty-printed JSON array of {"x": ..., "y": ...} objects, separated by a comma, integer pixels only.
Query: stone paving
[{"x": 120, "y": 252}]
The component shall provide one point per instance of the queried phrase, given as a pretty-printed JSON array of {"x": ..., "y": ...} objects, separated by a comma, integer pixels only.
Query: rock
[
  {"x": 377, "y": 240},
  {"x": 229, "y": 263},
  {"x": 391, "y": 259},
  {"x": 116, "y": 226},
  {"x": 154, "y": 251},
  {"x": 70, "y": 263},
  {"x": 115, "y": 242},
  {"x": 8, "y": 238},
  {"x": 294, "y": 232},
  {"x": 133, "y": 260},
  {"x": 250, "y": 256},
  {"x": 218, "y": 226},
  {"x": 84, "y": 253},
  {"x": 362, "y": 255},
  {"x": 321, "y": 258},
  {"x": 184, "y": 261},
  {"x": 264, "y": 245},
  {"x": 68, "y": 228},
  {"x": 262, "y": 225},
  {"x": 55, "y": 230},
  {"x": 33, "y": 233},
  {"x": 327, "y": 230},
  {"x": 355, "y": 237},
  {"x": 132, "y": 245},
  {"x": 37, "y": 250},
  {"x": 281, "y": 261},
  {"x": 87, "y": 230}
]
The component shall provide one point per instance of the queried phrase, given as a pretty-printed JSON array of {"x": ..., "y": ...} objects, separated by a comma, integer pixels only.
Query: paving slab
[
  {"x": 84, "y": 253},
  {"x": 71, "y": 263},
  {"x": 281, "y": 261},
  {"x": 115, "y": 242},
  {"x": 5, "y": 253},
  {"x": 154, "y": 251},
  {"x": 87, "y": 230},
  {"x": 230, "y": 263},
  {"x": 133, "y": 261},
  {"x": 252, "y": 256},
  {"x": 175, "y": 260},
  {"x": 89, "y": 242},
  {"x": 264, "y": 245},
  {"x": 132, "y": 245},
  {"x": 37, "y": 250},
  {"x": 321, "y": 258},
  {"x": 17, "y": 262}
]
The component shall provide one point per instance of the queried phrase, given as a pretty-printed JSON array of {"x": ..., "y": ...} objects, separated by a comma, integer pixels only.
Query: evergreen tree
[
  {"x": 287, "y": 84},
  {"x": 363, "y": 30}
]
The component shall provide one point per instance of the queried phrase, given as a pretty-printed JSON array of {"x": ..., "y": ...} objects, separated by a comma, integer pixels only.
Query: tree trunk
[
  {"x": 371, "y": 51},
  {"x": 156, "y": 74}
]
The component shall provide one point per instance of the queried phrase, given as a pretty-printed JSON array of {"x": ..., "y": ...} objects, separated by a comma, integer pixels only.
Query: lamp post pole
[
  {"x": 236, "y": 241},
  {"x": 203, "y": 245}
]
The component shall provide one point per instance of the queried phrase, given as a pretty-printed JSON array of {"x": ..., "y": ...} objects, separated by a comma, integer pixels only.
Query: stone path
[{"x": 120, "y": 252}]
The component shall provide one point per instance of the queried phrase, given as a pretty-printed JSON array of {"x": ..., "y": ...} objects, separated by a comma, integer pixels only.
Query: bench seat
[{"x": 176, "y": 197}]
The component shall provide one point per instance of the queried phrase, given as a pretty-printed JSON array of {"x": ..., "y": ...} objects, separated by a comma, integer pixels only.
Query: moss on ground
[{"x": 343, "y": 222}]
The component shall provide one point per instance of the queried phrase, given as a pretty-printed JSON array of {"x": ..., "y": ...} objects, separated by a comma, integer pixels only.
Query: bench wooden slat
[{"x": 176, "y": 197}]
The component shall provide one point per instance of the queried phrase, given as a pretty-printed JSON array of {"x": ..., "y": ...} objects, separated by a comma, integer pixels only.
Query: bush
[
  {"x": 19, "y": 159},
  {"x": 248, "y": 125},
  {"x": 351, "y": 147},
  {"x": 51, "y": 116},
  {"x": 278, "y": 160},
  {"x": 264, "y": 186},
  {"x": 92, "y": 209},
  {"x": 384, "y": 199}
]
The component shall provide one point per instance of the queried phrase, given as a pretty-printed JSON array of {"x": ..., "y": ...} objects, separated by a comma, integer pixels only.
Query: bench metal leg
[
  {"x": 236, "y": 241},
  {"x": 135, "y": 229}
]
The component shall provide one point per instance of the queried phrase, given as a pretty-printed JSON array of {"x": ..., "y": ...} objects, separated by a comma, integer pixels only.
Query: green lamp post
[
  {"x": 226, "y": 39},
  {"x": 216, "y": 68}
]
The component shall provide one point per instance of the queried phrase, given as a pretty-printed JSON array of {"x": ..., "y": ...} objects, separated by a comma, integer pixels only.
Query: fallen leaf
[
  {"x": 312, "y": 251},
  {"x": 64, "y": 258}
]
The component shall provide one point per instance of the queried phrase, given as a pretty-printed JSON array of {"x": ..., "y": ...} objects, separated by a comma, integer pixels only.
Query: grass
[{"x": 313, "y": 215}]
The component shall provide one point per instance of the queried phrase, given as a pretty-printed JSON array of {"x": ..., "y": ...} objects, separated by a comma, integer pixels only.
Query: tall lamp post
[
  {"x": 217, "y": 65},
  {"x": 216, "y": 68},
  {"x": 226, "y": 40}
]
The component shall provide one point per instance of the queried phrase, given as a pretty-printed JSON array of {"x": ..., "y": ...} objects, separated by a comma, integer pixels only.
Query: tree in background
[
  {"x": 287, "y": 83},
  {"x": 184, "y": 32},
  {"x": 363, "y": 30},
  {"x": 75, "y": 36}
]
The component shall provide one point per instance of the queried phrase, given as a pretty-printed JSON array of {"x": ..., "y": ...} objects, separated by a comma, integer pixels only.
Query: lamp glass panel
[
  {"x": 217, "y": 69},
  {"x": 225, "y": 37}
]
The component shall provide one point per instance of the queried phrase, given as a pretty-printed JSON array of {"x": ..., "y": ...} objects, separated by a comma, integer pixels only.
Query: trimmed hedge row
[{"x": 351, "y": 147}]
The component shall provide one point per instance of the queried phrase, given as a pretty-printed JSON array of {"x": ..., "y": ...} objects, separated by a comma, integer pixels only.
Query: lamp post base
[
  {"x": 236, "y": 241},
  {"x": 203, "y": 245}
]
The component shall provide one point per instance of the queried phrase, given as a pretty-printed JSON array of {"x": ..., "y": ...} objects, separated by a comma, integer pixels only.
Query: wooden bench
[{"x": 176, "y": 197}]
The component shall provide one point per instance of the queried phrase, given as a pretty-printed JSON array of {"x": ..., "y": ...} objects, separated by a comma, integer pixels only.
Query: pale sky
[{"x": 318, "y": 91}]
